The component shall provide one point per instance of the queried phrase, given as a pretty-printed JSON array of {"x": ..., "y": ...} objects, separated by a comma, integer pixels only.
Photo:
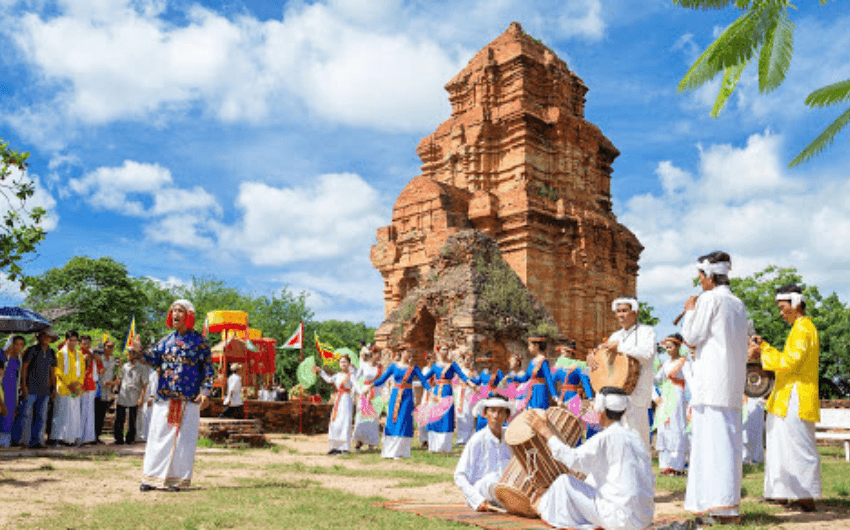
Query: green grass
[
  {"x": 251, "y": 504},
  {"x": 406, "y": 478},
  {"x": 417, "y": 458}
]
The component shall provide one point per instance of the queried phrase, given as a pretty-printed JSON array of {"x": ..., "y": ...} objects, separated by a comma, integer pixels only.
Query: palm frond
[
  {"x": 730, "y": 81},
  {"x": 823, "y": 140},
  {"x": 776, "y": 53},
  {"x": 830, "y": 94},
  {"x": 736, "y": 45}
]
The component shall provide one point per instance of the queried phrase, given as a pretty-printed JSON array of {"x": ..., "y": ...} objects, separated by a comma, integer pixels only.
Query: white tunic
[
  {"x": 718, "y": 330},
  {"x": 671, "y": 441},
  {"x": 234, "y": 391},
  {"x": 754, "y": 431},
  {"x": 366, "y": 430},
  {"x": 618, "y": 491},
  {"x": 339, "y": 432},
  {"x": 480, "y": 467},
  {"x": 638, "y": 342}
]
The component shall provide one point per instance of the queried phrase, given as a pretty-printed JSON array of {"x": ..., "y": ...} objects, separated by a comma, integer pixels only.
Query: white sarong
[
  {"x": 339, "y": 431},
  {"x": 637, "y": 417},
  {"x": 714, "y": 476},
  {"x": 66, "y": 419},
  {"x": 170, "y": 452},
  {"x": 440, "y": 442},
  {"x": 87, "y": 416},
  {"x": 792, "y": 462},
  {"x": 396, "y": 447}
]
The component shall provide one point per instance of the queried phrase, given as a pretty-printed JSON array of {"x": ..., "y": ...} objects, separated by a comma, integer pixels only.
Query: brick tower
[{"x": 518, "y": 162}]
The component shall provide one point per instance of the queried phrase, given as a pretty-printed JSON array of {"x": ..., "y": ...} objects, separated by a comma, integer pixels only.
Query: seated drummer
[
  {"x": 619, "y": 488},
  {"x": 485, "y": 456}
]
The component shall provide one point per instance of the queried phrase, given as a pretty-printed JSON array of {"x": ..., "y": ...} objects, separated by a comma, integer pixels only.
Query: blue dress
[
  {"x": 446, "y": 373},
  {"x": 541, "y": 390},
  {"x": 402, "y": 425},
  {"x": 485, "y": 379},
  {"x": 570, "y": 378}
]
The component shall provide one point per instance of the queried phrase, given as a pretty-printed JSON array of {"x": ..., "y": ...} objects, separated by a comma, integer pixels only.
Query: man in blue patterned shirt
[{"x": 184, "y": 362}]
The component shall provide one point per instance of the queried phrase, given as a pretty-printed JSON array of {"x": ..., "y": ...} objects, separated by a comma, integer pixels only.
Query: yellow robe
[
  {"x": 65, "y": 380},
  {"x": 796, "y": 364}
]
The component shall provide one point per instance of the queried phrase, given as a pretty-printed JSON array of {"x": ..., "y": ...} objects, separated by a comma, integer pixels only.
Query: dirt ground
[{"x": 33, "y": 483}]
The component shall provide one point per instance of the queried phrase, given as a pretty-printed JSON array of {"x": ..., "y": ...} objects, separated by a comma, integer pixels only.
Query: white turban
[
  {"x": 625, "y": 300},
  {"x": 493, "y": 402},
  {"x": 719, "y": 268},
  {"x": 185, "y": 304},
  {"x": 794, "y": 298},
  {"x": 614, "y": 402}
]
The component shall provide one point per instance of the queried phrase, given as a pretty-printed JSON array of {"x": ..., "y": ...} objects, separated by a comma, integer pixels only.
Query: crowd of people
[
  {"x": 54, "y": 397},
  {"x": 707, "y": 430},
  {"x": 62, "y": 396}
]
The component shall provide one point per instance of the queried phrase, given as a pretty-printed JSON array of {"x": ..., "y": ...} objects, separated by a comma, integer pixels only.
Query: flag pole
[{"x": 301, "y": 394}]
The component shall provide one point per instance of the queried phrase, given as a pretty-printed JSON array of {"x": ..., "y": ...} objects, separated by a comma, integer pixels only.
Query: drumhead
[
  {"x": 518, "y": 430},
  {"x": 514, "y": 500}
]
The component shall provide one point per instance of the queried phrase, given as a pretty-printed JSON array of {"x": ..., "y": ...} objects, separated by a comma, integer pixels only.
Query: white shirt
[
  {"x": 639, "y": 342},
  {"x": 483, "y": 454},
  {"x": 718, "y": 330},
  {"x": 234, "y": 391},
  {"x": 366, "y": 372},
  {"x": 617, "y": 464}
]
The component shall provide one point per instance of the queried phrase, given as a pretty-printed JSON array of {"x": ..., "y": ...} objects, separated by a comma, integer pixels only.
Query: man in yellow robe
[
  {"x": 70, "y": 372},
  {"x": 792, "y": 463}
]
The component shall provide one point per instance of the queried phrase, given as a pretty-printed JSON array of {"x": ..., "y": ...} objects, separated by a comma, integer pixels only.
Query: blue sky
[{"x": 264, "y": 143}]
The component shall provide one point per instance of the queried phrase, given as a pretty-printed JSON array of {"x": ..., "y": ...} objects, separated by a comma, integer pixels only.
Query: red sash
[
  {"x": 339, "y": 392},
  {"x": 176, "y": 408},
  {"x": 401, "y": 388}
]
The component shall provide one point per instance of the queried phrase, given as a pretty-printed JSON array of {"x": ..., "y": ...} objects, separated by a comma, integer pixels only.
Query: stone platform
[{"x": 227, "y": 431}]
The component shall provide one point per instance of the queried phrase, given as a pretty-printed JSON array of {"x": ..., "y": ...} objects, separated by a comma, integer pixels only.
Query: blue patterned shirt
[{"x": 185, "y": 365}]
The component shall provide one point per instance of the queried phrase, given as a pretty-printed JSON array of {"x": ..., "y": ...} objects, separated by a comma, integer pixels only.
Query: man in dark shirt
[{"x": 38, "y": 387}]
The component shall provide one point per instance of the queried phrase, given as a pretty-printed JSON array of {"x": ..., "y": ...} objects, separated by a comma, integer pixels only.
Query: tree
[
  {"x": 829, "y": 315},
  {"x": 645, "y": 315},
  {"x": 20, "y": 230},
  {"x": 89, "y": 293},
  {"x": 765, "y": 28}
]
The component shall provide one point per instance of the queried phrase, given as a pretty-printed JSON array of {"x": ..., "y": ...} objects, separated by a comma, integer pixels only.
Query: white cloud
[
  {"x": 376, "y": 63},
  {"x": 742, "y": 200},
  {"x": 329, "y": 217},
  {"x": 129, "y": 189}
]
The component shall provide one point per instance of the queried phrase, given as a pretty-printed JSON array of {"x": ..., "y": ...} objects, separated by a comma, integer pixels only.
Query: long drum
[
  {"x": 620, "y": 371},
  {"x": 516, "y": 492},
  {"x": 531, "y": 451}
]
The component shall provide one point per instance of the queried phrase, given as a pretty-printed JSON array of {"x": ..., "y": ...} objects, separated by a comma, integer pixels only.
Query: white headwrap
[
  {"x": 493, "y": 402},
  {"x": 615, "y": 402},
  {"x": 721, "y": 268},
  {"x": 185, "y": 304},
  {"x": 625, "y": 300},
  {"x": 794, "y": 298}
]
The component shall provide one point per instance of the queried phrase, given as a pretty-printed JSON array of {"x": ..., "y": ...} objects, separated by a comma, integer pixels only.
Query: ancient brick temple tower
[{"x": 518, "y": 161}]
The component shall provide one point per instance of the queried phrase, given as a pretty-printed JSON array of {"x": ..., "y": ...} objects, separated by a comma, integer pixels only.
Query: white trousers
[
  {"x": 637, "y": 417},
  {"x": 396, "y": 447},
  {"x": 170, "y": 452},
  {"x": 66, "y": 419},
  {"x": 792, "y": 461},
  {"x": 87, "y": 416},
  {"x": 440, "y": 442},
  {"x": 714, "y": 477}
]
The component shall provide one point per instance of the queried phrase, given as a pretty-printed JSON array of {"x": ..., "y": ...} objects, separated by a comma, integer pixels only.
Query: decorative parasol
[{"x": 20, "y": 320}]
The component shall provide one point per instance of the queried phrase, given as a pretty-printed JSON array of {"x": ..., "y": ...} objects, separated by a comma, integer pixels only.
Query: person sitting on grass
[
  {"x": 485, "y": 456},
  {"x": 620, "y": 485}
]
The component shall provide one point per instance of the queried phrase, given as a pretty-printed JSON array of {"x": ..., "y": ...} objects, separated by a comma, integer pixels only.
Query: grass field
[{"x": 288, "y": 486}]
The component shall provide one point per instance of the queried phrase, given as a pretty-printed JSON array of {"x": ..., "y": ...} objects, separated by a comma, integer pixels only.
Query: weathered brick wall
[{"x": 282, "y": 416}]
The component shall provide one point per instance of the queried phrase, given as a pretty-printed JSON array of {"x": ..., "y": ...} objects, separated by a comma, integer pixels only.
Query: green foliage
[
  {"x": 829, "y": 315},
  {"x": 20, "y": 232},
  {"x": 546, "y": 191},
  {"x": 645, "y": 315},
  {"x": 503, "y": 294},
  {"x": 764, "y": 27},
  {"x": 89, "y": 293}
]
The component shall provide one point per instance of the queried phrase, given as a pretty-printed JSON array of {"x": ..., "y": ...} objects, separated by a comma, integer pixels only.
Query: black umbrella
[{"x": 19, "y": 320}]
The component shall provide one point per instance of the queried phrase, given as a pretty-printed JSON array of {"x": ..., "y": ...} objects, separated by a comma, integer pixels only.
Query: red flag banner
[{"x": 297, "y": 338}]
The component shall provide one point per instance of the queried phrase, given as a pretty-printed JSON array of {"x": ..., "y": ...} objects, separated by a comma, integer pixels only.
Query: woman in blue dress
[
  {"x": 441, "y": 431},
  {"x": 571, "y": 377},
  {"x": 543, "y": 385},
  {"x": 488, "y": 378},
  {"x": 398, "y": 433}
]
